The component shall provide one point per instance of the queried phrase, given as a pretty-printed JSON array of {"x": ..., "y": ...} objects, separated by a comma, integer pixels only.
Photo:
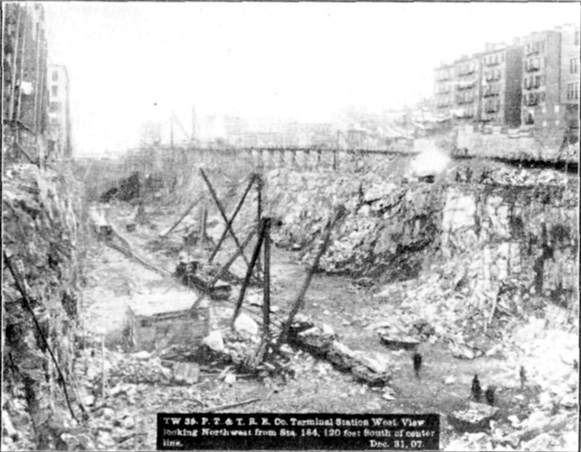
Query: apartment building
[
  {"x": 444, "y": 89},
  {"x": 467, "y": 96},
  {"x": 25, "y": 65},
  {"x": 534, "y": 82},
  {"x": 541, "y": 79},
  {"x": 570, "y": 50},
  {"x": 59, "y": 112},
  {"x": 501, "y": 85}
]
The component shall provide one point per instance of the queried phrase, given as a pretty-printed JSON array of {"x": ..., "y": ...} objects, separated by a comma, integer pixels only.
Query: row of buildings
[
  {"x": 35, "y": 93},
  {"x": 359, "y": 131},
  {"x": 533, "y": 82},
  {"x": 350, "y": 128}
]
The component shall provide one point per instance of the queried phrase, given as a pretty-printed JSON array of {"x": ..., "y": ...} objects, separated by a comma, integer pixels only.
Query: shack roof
[{"x": 149, "y": 305}]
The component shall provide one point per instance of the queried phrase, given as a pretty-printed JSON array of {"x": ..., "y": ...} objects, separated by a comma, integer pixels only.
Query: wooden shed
[{"x": 162, "y": 319}]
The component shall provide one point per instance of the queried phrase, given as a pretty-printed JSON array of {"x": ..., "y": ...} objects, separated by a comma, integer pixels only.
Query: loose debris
[
  {"x": 476, "y": 417},
  {"x": 321, "y": 342}
]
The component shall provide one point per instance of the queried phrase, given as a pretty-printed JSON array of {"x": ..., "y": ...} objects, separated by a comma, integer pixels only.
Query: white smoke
[{"x": 430, "y": 161}]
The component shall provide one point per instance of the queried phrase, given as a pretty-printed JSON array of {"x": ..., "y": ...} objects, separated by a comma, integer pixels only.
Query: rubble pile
[
  {"x": 498, "y": 174},
  {"x": 320, "y": 341},
  {"x": 544, "y": 413},
  {"x": 121, "y": 391}
]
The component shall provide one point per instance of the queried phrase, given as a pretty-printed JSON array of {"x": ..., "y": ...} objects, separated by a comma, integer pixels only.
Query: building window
[
  {"x": 544, "y": 123},
  {"x": 573, "y": 91},
  {"x": 55, "y": 76},
  {"x": 55, "y": 90},
  {"x": 556, "y": 109},
  {"x": 55, "y": 107},
  {"x": 574, "y": 65},
  {"x": 576, "y": 38},
  {"x": 557, "y": 122}
]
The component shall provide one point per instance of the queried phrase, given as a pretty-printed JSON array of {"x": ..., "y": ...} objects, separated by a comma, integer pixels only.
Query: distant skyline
[{"x": 133, "y": 62}]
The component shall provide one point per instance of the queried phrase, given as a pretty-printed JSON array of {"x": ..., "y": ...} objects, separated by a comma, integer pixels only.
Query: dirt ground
[{"x": 339, "y": 301}]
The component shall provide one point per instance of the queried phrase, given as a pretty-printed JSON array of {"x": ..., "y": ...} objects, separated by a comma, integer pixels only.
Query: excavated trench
[{"x": 476, "y": 261}]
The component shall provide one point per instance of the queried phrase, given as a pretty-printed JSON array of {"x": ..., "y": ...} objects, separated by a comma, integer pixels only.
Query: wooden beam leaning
[
  {"x": 266, "y": 290},
  {"x": 259, "y": 187},
  {"x": 246, "y": 282},
  {"x": 21, "y": 149},
  {"x": 254, "y": 360},
  {"x": 235, "y": 256},
  {"x": 224, "y": 217},
  {"x": 184, "y": 215},
  {"x": 232, "y": 218},
  {"x": 337, "y": 216}
]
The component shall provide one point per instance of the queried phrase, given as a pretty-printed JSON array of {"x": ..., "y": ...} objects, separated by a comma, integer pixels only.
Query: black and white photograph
[{"x": 290, "y": 226}]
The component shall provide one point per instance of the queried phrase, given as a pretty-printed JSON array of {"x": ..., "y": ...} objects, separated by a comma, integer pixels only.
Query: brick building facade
[
  {"x": 501, "y": 91},
  {"x": 570, "y": 50},
  {"x": 533, "y": 83},
  {"x": 467, "y": 100},
  {"x": 541, "y": 79},
  {"x": 444, "y": 89}
]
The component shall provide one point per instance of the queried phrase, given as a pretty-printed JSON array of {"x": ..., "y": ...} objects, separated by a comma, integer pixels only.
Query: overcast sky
[{"x": 132, "y": 62}]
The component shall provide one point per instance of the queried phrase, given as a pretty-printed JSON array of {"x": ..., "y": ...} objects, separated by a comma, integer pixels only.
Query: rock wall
[
  {"x": 41, "y": 258},
  {"x": 524, "y": 236},
  {"x": 31, "y": 148},
  {"x": 511, "y": 237},
  {"x": 387, "y": 227}
]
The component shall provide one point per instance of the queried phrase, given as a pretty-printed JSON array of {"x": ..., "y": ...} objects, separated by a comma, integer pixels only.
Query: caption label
[{"x": 244, "y": 431}]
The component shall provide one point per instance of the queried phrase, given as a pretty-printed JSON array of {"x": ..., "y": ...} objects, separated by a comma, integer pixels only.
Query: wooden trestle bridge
[{"x": 337, "y": 158}]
